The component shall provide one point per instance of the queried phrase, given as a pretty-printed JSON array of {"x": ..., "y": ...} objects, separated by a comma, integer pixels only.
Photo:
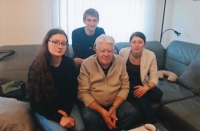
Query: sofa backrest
[
  {"x": 180, "y": 54},
  {"x": 15, "y": 67},
  {"x": 154, "y": 46}
]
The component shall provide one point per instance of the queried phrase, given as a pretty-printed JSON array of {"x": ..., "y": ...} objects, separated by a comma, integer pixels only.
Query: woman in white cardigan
[{"x": 142, "y": 67}]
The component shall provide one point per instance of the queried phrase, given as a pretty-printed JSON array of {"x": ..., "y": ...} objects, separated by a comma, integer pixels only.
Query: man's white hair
[{"x": 104, "y": 38}]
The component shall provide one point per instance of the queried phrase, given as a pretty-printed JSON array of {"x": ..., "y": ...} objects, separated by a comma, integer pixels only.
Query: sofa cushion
[
  {"x": 184, "y": 113},
  {"x": 170, "y": 75},
  {"x": 173, "y": 91},
  {"x": 15, "y": 115},
  {"x": 190, "y": 78},
  {"x": 179, "y": 55}
]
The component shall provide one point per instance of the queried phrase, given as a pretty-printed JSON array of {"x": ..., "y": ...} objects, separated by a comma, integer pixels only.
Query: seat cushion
[
  {"x": 185, "y": 114},
  {"x": 173, "y": 91}
]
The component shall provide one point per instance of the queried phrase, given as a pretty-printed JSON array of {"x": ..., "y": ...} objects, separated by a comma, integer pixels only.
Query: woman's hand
[
  {"x": 67, "y": 122},
  {"x": 62, "y": 113},
  {"x": 140, "y": 91}
]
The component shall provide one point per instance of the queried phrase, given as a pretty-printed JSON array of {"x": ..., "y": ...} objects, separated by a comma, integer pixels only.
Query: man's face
[
  {"x": 104, "y": 52},
  {"x": 91, "y": 23}
]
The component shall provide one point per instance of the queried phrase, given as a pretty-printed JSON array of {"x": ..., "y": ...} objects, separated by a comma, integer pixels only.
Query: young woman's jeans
[
  {"x": 143, "y": 103},
  {"x": 49, "y": 125},
  {"x": 95, "y": 122}
]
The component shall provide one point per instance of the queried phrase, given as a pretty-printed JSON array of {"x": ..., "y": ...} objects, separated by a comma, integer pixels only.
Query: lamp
[
  {"x": 176, "y": 32},
  {"x": 162, "y": 32}
]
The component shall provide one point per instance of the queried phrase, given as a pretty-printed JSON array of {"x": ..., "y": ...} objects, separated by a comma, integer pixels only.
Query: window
[{"x": 119, "y": 18}]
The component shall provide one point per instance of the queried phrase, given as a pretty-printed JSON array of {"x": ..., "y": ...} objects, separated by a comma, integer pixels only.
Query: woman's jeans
[
  {"x": 143, "y": 103},
  {"x": 95, "y": 122},
  {"x": 49, "y": 125}
]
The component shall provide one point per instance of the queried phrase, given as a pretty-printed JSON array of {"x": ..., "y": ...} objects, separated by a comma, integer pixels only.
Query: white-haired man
[{"x": 103, "y": 88}]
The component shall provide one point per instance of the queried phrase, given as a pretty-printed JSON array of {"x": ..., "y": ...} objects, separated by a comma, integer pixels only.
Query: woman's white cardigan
[{"x": 148, "y": 65}]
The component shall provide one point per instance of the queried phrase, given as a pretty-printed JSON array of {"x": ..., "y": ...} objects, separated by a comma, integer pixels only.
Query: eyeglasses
[{"x": 57, "y": 43}]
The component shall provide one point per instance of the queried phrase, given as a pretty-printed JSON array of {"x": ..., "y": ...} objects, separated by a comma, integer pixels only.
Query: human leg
[
  {"x": 48, "y": 125},
  {"x": 145, "y": 108},
  {"x": 126, "y": 114},
  {"x": 76, "y": 115},
  {"x": 154, "y": 95},
  {"x": 143, "y": 103},
  {"x": 91, "y": 118}
]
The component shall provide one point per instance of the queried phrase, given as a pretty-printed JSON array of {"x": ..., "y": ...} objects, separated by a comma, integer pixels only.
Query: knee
[
  {"x": 130, "y": 113},
  {"x": 159, "y": 94},
  {"x": 89, "y": 116}
]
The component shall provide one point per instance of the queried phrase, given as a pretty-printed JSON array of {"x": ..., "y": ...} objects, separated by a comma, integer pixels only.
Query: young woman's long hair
[{"x": 40, "y": 80}]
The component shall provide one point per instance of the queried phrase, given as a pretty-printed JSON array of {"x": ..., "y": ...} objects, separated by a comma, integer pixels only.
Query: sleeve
[
  {"x": 153, "y": 71},
  {"x": 49, "y": 113},
  {"x": 84, "y": 86},
  {"x": 76, "y": 44},
  {"x": 121, "y": 52},
  {"x": 124, "y": 90},
  {"x": 74, "y": 82},
  {"x": 103, "y": 32},
  {"x": 42, "y": 109}
]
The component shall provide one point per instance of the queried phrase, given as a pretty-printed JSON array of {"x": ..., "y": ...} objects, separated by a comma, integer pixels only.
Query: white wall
[
  {"x": 25, "y": 21},
  {"x": 183, "y": 16}
]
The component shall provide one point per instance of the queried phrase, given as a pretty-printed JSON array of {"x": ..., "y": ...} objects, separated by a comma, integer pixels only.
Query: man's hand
[
  {"x": 67, "y": 122},
  {"x": 140, "y": 91},
  {"x": 112, "y": 114},
  {"x": 108, "y": 119}
]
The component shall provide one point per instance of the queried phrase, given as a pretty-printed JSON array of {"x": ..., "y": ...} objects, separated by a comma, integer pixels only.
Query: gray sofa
[{"x": 179, "y": 108}]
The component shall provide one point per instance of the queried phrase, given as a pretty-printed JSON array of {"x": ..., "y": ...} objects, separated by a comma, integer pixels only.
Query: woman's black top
[
  {"x": 65, "y": 83},
  {"x": 133, "y": 73}
]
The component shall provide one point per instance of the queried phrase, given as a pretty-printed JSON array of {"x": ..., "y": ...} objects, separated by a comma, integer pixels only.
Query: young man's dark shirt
[{"x": 82, "y": 43}]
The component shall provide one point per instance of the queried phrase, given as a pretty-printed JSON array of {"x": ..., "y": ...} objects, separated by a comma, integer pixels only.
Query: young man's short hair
[{"x": 91, "y": 12}]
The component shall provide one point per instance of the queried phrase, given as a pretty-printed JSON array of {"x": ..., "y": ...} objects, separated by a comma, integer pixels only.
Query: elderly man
[{"x": 103, "y": 88}]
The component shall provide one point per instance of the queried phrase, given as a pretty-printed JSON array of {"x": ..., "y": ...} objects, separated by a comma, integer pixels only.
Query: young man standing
[{"x": 83, "y": 38}]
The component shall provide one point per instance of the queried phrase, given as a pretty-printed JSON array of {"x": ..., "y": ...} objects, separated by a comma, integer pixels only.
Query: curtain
[{"x": 119, "y": 18}]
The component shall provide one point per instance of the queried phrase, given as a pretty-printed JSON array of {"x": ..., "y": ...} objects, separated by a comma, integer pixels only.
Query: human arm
[
  {"x": 45, "y": 110},
  {"x": 152, "y": 80},
  {"x": 77, "y": 43},
  {"x": 102, "y": 31},
  {"x": 141, "y": 90},
  {"x": 110, "y": 119},
  {"x": 38, "y": 106},
  {"x": 123, "y": 90},
  {"x": 112, "y": 111},
  {"x": 78, "y": 62},
  {"x": 124, "y": 80}
]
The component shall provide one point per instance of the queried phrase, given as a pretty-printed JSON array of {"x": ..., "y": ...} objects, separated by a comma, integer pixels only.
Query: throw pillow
[
  {"x": 15, "y": 115},
  {"x": 171, "y": 76},
  {"x": 190, "y": 77}
]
